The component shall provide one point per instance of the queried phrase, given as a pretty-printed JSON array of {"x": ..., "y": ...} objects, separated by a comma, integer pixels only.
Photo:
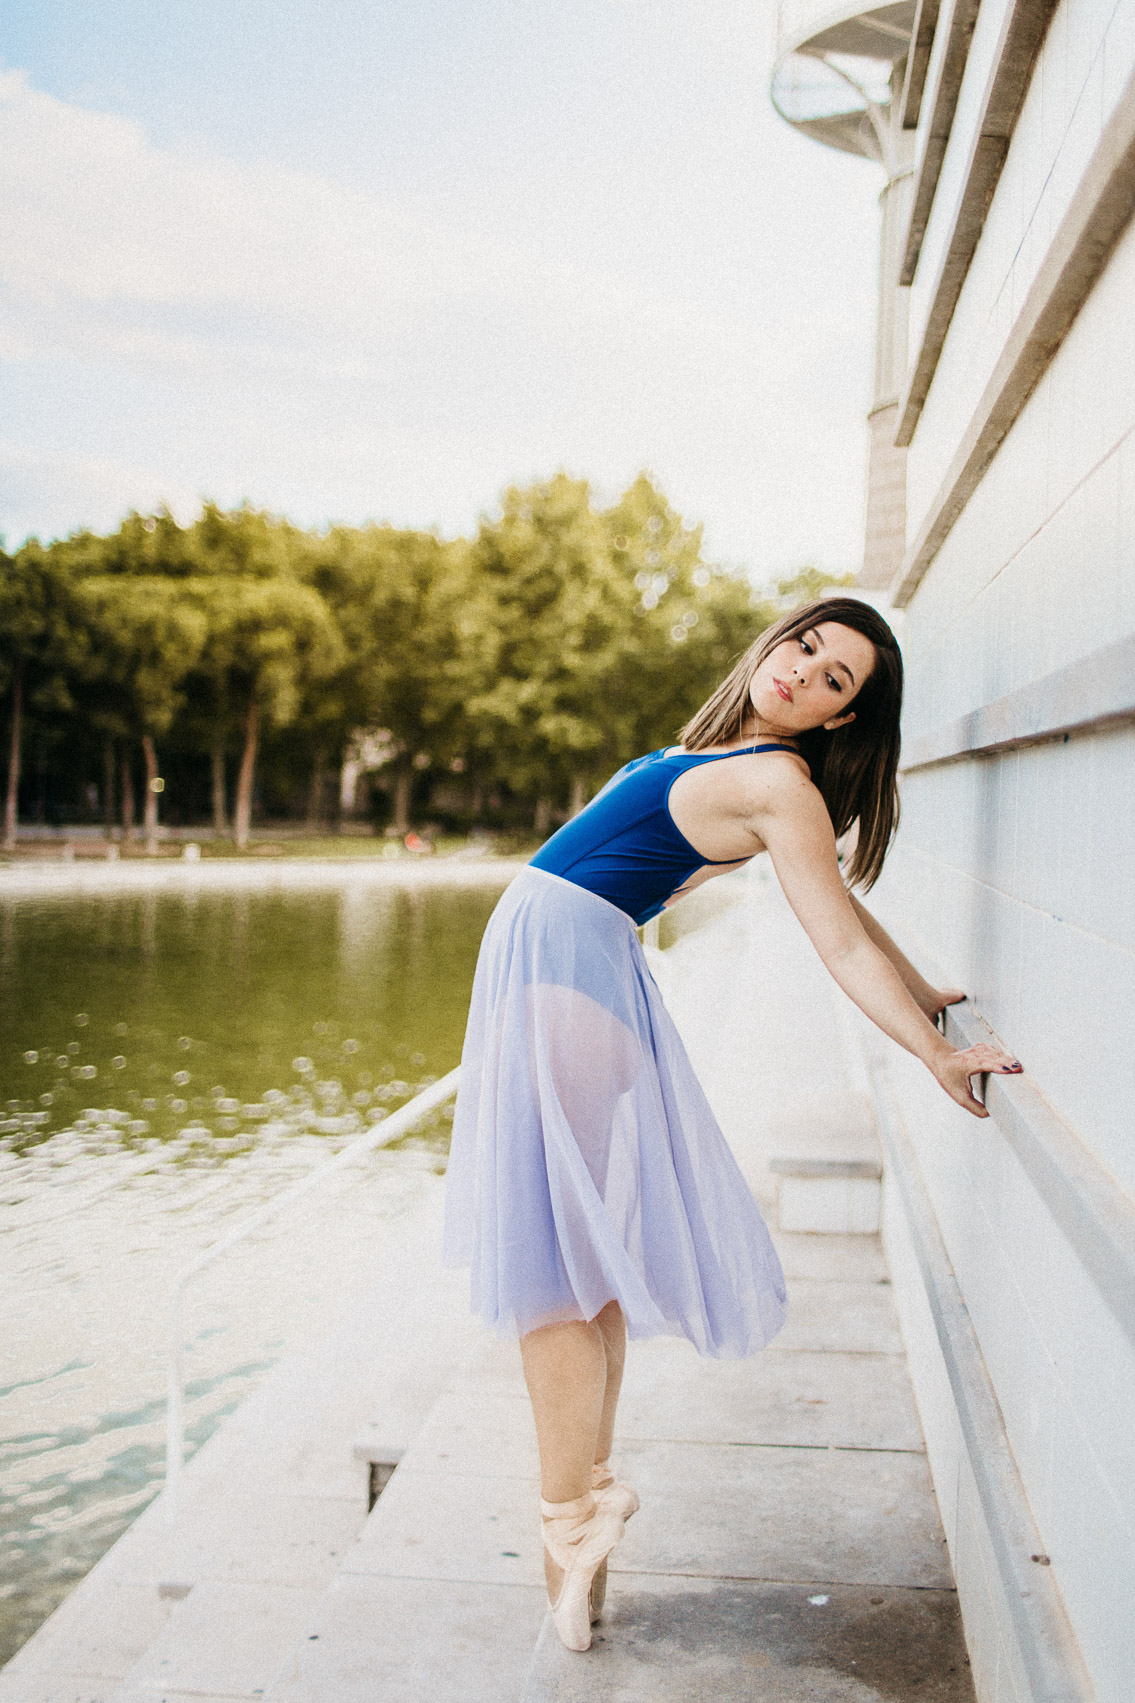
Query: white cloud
[
  {"x": 178, "y": 323},
  {"x": 104, "y": 235},
  {"x": 98, "y": 222}
]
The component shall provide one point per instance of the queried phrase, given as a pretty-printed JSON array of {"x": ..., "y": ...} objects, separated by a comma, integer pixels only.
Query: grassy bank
[{"x": 61, "y": 847}]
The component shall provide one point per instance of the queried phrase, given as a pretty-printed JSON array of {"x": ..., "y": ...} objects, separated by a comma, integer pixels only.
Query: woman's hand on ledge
[{"x": 954, "y": 1070}]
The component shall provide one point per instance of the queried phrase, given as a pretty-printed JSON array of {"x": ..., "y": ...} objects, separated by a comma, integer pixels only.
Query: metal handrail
[{"x": 391, "y": 1129}]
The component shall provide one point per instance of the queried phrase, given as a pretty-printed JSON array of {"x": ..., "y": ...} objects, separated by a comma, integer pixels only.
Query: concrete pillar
[{"x": 885, "y": 533}]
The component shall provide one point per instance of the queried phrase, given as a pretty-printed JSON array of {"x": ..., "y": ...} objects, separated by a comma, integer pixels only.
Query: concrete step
[
  {"x": 788, "y": 1545},
  {"x": 441, "y": 1598},
  {"x": 698, "y": 1640},
  {"x": 828, "y": 1196}
]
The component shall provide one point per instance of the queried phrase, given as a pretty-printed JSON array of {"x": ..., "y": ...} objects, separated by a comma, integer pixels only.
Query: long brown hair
[{"x": 854, "y": 766}]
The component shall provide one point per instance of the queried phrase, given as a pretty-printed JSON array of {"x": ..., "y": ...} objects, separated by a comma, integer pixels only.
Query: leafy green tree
[
  {"x": 534, "y": 658},
  {"x": 145, "y": 548},
  {"x": 41, "y": 645},
  {"x": 145, "y": 633},
  {"x": 808, "y": 584},
  {"x": 396, "y": 596},
  {"x": 544, "y": 632},
  {"x": 691, "y": 619},
  {"x": 265, "y": 640},
  {"x": 247, "y": 546}
]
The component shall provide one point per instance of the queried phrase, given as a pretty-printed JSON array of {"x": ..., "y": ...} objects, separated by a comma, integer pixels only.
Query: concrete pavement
[{"x": 788, "y": 1547}]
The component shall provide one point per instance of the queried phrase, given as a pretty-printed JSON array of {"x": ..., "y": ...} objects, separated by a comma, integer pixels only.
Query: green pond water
[
  {"x": 176, "y": 1009},
  {"x": 169, "y": 1059}
]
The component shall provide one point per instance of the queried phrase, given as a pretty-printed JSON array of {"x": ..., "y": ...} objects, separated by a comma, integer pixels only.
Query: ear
[{"x": 839, "y": 721}]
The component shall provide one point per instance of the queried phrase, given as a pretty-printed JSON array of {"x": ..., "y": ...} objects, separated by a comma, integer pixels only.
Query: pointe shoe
[
  {"x": 578, "y": 1537},
  {"x": 598, "y": 1594},
  {"x": 607, "y": 1488}
]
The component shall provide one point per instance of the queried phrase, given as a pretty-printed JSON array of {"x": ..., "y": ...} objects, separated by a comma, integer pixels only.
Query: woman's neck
[
  {"x": 757, "y": 732},
  {"x": 754, "y": 735}
]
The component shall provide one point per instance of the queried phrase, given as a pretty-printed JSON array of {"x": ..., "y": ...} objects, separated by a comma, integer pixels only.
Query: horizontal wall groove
[
  {"x": 1095, "y": 693},
  {"x": 1081, "y": 248},
  {"x": 918, "y": 61},
  {"x": 1011, "y": 898},
  {"x": 944, "y": 103},
  {"x": 1022, "y": 34},
  {"x": 1095, "y": 1214}
]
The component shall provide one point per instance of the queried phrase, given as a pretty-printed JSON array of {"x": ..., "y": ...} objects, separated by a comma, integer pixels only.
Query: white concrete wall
[
  {"x": 1062, "y": 1370},
  {"x": 994, "y": 1652},
  {"x": 1014, "y": 872},
  {"x": 1087, "y": 57}
]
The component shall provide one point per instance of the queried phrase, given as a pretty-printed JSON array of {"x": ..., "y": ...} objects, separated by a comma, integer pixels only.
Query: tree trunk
[
  {"x": 11, "y": 803},
  {"x": 108, "y": 785},
  {"x": 542, "y": 820},
  {"x": 127, "y": 772},
  {"x": 578, "y": 794},
  {"x": 477, "y": 803},
  {"x": 403, "y": 784},
  {"x": 153, "y": 788},
  {"x": 40, "y": 783},
  {"x": 316, "y": 791},
  {"x": 247, "y": 774},
  {"x": 220, "y": 807}
]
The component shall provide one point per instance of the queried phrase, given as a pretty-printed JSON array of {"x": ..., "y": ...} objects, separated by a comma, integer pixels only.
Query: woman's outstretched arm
[
  {"x": 929, "y": 1000},
  {"x": 790, "y": 818}
]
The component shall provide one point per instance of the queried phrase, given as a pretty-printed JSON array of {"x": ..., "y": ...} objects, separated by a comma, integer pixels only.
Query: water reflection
[
  {"x": 167, "y": 1061},
  {"x": 150, "y": 1014}
]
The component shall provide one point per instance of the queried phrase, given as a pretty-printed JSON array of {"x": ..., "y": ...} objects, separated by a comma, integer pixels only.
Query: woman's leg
[
  {"x": 613, "y": 1328},
  {"x": 565, "y": 1368},
  {"x": 573, "y": 1372}
]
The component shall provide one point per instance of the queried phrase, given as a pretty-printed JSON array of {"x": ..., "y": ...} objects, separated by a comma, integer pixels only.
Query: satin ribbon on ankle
[{"x": 574, "y": 1510}]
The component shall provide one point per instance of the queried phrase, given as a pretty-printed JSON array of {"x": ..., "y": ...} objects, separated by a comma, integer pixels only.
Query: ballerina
[{"x": 590, "y": 1188}]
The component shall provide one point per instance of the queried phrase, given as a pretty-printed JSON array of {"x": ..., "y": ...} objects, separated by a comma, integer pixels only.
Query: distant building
[{"x": 1001, "y": 522}]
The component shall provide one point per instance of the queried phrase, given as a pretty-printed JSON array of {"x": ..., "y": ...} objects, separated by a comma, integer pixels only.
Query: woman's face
[{"x": 811, "y": 680}]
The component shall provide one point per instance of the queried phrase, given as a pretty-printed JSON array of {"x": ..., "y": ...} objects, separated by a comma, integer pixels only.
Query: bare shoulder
[
  {"x": 750, "y": 791},
  {"x": 769, "y": 780},
  {"x": 727, "y": 810}
]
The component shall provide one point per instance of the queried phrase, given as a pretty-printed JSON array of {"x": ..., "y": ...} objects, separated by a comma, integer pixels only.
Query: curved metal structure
[
  {"x": 851, "y": 77},
  {"x": 835, "y": 72}
]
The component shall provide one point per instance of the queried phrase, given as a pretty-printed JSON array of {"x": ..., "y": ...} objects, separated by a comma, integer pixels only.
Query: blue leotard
[{"x": 625, "y": 846}]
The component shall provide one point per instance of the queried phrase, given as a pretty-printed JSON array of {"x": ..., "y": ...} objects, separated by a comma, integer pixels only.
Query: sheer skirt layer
[{"x": 586, "y": 1164}]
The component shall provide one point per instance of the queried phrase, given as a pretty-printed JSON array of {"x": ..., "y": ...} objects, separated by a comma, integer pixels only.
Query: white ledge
[
  {"x": 1094, "y": 1212},
  {"x": 943, "y": 100},
  {"x": 918, "y": 61},
  {"x": 1022, "y": 33},
  {"x": 1100, "y": 211},
  {"x": 1045, "y": 1642},
  {"x": 1094, "y": 693}
]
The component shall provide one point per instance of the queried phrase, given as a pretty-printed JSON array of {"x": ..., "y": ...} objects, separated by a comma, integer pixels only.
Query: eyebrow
[{"x": 820, "y": 639}]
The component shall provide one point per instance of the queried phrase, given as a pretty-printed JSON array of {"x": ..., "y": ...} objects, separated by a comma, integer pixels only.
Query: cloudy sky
[{"x": 381, "y": 258}]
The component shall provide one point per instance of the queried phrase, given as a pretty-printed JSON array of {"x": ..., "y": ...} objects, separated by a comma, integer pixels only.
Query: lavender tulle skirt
[{"x": 586, "y": 1165}]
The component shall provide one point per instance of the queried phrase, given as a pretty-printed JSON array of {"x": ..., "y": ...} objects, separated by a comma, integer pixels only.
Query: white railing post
[
  {"x": 175, "y": 1404},
  {"x": 392, "y": 1129}
]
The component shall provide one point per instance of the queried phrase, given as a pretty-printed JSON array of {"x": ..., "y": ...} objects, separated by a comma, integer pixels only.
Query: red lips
[{"x": 783, "y": 690}]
